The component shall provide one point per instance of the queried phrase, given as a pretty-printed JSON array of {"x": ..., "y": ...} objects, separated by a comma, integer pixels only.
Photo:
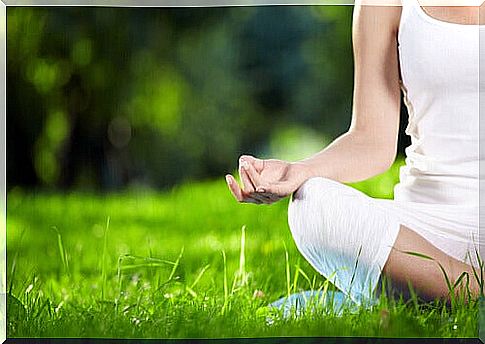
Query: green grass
[{"x": 184, "y": 263}]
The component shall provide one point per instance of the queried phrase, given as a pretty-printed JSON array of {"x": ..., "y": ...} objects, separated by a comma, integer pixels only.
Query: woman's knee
[
  {"x": 328, "y": 212},
  {"x": 340, "y": 230},
  {"x": 317, "y": 204}
]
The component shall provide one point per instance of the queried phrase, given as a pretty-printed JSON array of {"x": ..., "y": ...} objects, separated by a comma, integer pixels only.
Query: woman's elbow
[
  {"x": 380, "y": 151},
  {"x": 385, "y": 158}
]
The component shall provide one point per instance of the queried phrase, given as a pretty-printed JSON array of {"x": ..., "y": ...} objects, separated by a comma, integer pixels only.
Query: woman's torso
[{"x": 439, "y": 65}]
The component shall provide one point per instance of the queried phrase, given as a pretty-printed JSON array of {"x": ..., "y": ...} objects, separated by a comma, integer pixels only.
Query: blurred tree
[{"x": 112, "y": 97}]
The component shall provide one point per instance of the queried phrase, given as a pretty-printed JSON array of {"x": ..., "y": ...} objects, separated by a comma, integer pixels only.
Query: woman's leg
[
  {"x": 349, "y": 239},
  {"x": 425, "y": 275}
]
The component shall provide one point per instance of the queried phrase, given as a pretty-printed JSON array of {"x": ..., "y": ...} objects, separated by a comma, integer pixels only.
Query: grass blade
[
  {"x": 176, "y": 264},
  {"x": 14, "y": 263},
  {"x": 305, "y": 276},
  {"x": 295, "y": 278},
  {"x": 104, "y": 268},
  {"x": 242, "y": 257},
  {"x": 417, "y": 254},
  {"x": 199, "y": 276},
  {"x": 226, "y": 291},
  {"x": 241, "y": 276},
  {"x": 288, "y": 277},
  {"x": 62, "y": 251}
]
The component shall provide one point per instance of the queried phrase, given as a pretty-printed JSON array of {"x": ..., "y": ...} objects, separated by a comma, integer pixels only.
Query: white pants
[
  {"x": 343, "y": 234},
  {"x": 347, "y": 236}
]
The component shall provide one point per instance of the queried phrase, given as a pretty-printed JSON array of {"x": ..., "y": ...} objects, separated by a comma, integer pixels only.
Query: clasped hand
[{"x": 266, "y": 181}]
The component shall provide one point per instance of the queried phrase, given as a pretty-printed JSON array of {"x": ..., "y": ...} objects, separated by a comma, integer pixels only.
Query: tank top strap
[
  {"x": 412, "y": 12},
  {"x": 410, "y": 3}
]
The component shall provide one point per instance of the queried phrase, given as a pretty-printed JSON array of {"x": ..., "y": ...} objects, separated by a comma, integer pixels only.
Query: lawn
[{"x": 169, "y": 264}]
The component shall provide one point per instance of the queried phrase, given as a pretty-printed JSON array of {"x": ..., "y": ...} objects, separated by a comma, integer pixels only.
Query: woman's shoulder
[
  {"x": 379, "y": 2},
  {"x": 399, "y": 3},
  {"x": 384, "y": 13}
]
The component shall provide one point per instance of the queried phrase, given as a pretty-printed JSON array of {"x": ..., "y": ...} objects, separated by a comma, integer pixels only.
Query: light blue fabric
[
  {"x": 332, "y": 302},
  {"x": 344, "y": 235}
]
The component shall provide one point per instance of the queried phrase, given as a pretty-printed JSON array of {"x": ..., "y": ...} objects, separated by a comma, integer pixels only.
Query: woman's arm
[{"x": 369, "y": 146}]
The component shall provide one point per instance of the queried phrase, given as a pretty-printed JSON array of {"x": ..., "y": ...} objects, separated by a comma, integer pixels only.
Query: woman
[{"x": 431, "y": 54}]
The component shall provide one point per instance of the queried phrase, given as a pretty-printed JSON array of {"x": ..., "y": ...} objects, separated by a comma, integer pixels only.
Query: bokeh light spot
[{"x": 81, "y": 53}]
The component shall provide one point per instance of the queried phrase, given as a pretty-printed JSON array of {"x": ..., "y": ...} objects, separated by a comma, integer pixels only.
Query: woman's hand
[{"x": 266, "y": 181}]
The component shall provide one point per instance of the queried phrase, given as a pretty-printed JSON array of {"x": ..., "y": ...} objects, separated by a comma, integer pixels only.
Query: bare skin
[{"x": 368, "y": 147}]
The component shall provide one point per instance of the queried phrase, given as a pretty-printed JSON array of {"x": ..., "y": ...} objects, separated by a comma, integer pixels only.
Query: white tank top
[{"x": 439, "y": 65}]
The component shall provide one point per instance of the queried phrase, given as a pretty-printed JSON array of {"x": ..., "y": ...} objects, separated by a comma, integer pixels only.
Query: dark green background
[{"x": 109, "y": 98}]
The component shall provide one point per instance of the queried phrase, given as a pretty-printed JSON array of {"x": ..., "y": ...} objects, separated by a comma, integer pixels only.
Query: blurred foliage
[{"x": 104, "y": 98}]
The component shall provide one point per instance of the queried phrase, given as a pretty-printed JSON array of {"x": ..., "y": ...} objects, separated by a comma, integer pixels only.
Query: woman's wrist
[{"x": 302, "y": 170}]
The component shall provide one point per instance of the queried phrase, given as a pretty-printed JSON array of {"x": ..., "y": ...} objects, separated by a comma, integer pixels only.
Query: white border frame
[
  {"x": 180, "y": 3},
  {"x": 3, "y": 172}
]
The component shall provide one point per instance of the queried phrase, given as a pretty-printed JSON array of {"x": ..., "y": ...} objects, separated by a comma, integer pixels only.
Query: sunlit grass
[{"x": 190, "y": 262}]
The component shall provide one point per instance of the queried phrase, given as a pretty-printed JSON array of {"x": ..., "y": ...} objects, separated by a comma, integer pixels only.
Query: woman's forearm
[{"x": 352, "y": 157}]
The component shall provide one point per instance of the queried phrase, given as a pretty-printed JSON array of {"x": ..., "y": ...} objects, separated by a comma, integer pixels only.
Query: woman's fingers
[
  {"x": 238, "y": 193},
  {"x": 250, "y": 179},
  {"x": 254, "y": 188},
  {"x": 234, "y": 187},
  {"x": 257, "y": 163},
  {"x": 248, "y": 186},
  {"x": 253, "y": 175},
  {"x": 253, "y": 182},
  {"x": 243, "y": 197}
]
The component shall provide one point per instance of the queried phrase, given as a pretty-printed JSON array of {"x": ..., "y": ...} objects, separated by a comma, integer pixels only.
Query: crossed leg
[
  {"x": 425, "y": 275},
  {"x": 333, "y": 224}
]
